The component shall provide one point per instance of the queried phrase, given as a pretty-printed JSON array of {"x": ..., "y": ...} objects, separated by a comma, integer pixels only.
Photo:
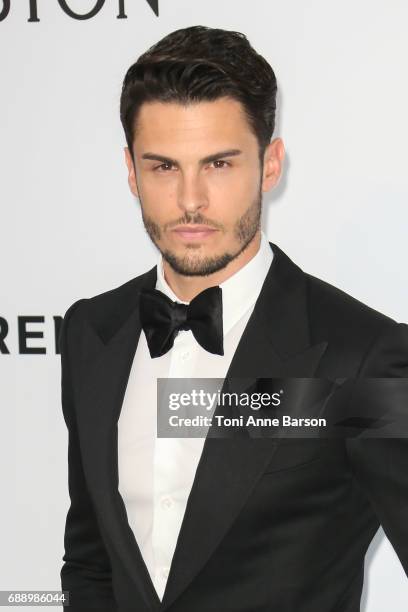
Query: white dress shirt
[{"x": 156, "y": 474}]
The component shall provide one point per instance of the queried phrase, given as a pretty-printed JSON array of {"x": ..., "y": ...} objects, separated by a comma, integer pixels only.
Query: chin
[{"x": 201, "y": 265}]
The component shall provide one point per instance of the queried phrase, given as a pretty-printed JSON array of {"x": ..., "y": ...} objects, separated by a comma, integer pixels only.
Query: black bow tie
[{"x": 162, "y": 319}]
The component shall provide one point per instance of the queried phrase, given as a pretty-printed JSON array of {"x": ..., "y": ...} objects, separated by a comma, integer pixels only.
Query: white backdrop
[{"x": 71, "y": 229}]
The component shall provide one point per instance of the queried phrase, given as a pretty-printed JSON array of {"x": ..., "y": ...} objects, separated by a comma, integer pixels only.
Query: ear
[
  {"x": 273, "y": 164},
  {"x": 132, "y": 174}
]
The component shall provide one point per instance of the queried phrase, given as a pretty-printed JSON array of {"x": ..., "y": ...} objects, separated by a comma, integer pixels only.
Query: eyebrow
[{"x": 205, "y": 160}]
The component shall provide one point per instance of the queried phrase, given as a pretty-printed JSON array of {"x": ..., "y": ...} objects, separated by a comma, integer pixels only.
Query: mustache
[{"x": 193, "y": 218}]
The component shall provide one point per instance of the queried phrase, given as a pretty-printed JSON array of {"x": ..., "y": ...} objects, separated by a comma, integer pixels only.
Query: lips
[
  {"x": 194, "y": 232},
  {"x": 194, "y": 228}
]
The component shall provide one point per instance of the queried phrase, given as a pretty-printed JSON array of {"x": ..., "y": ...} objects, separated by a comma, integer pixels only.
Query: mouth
[{"x": 194, "y": 232}]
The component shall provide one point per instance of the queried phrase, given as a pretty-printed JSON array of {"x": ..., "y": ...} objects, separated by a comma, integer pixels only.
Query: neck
[{"x": 187, "y": 287}]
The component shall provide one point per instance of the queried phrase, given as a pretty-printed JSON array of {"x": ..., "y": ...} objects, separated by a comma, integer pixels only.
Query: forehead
[{"x": 221, "y": 122}]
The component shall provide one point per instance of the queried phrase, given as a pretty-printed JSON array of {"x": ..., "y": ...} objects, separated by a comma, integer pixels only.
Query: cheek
[
  {"x": 158, "y": 196},
  {"x": 232, "y": 194}
]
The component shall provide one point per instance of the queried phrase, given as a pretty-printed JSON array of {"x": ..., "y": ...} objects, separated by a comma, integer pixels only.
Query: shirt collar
[{"x": 240, "y": 291}]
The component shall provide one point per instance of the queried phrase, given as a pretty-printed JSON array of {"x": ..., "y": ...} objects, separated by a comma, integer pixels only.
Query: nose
[{"x": 192, "y": 194}]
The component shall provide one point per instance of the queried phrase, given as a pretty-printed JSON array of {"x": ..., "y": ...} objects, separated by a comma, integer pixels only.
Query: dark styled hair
[{"x": 202, "y": 64}]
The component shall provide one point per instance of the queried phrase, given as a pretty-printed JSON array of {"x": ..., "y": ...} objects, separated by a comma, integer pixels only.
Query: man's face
[{"x": 199, "y": 179}]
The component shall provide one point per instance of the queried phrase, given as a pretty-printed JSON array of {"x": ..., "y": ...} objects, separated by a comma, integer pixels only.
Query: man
[{"x": 233, "y": 524}]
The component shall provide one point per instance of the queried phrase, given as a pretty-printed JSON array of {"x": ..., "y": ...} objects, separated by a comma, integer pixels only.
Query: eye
[
  {"x": 223, "y": 163},
  {"x": 164, "y": 167}
]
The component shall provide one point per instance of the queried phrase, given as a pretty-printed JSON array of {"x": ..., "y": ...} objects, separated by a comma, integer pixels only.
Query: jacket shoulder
[
  {"x": 339, "y": 316},
  {"x": 352, "y": 328},
  {"x": 333, "y": 305},
  {"x": 110, "y": 308},
  {"x": 331, "y": 311}
]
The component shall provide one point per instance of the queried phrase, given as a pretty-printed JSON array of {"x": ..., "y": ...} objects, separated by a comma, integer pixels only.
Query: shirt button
[
  {"x": 185, "y": 355},
  {"x": 165, "y": 572},
  {"x": 166, "y": 502}
]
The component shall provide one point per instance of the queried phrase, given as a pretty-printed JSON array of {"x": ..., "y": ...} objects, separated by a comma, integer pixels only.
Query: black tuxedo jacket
[{"x": 270, "y": 525}]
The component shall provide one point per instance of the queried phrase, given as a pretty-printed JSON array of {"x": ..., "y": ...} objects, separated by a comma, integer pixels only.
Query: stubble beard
[{"x": 245, "y": 230}]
